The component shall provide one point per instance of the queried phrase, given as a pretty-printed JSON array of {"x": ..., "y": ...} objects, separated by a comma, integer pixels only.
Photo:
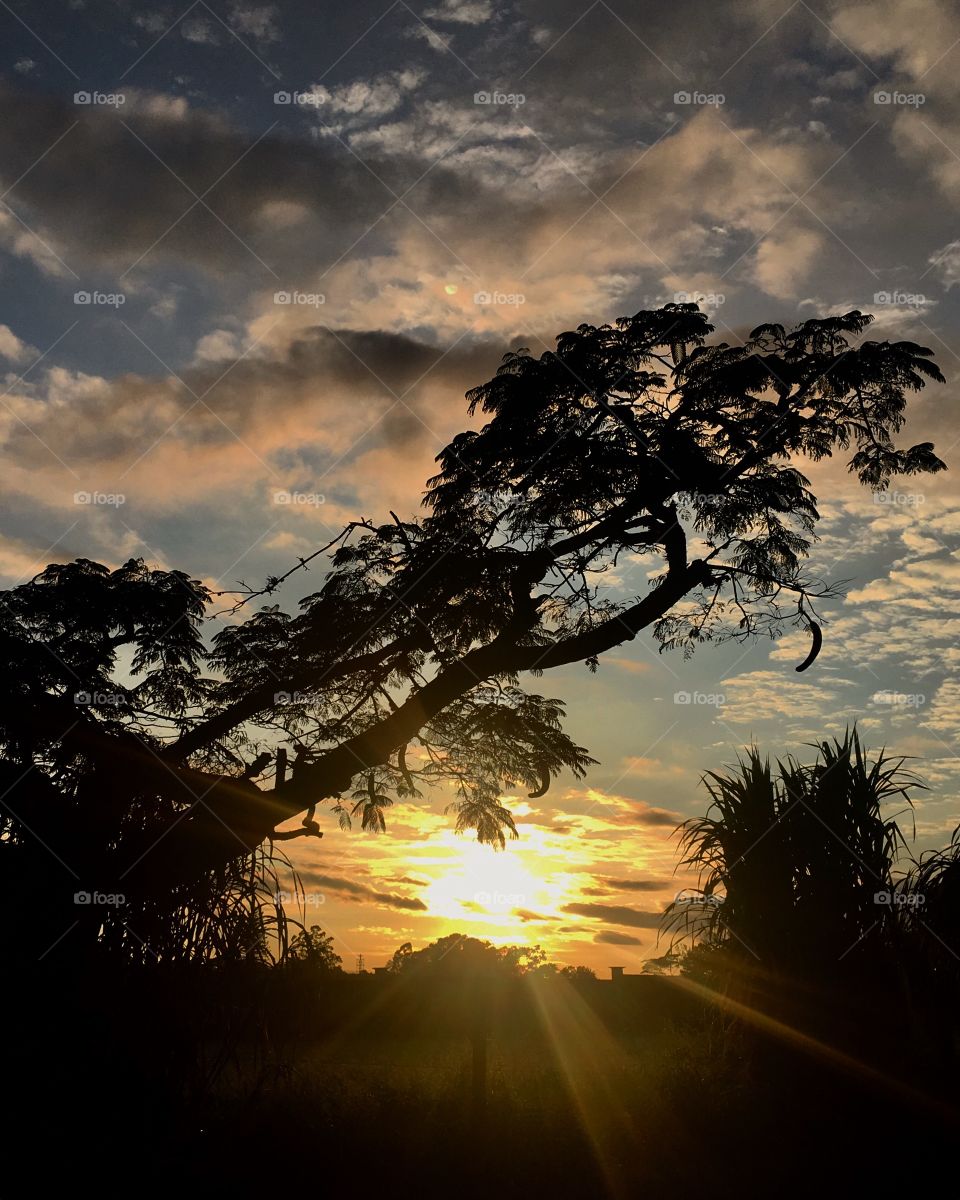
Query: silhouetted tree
[
  {"x": 314, "y": 948},
  {"x": 456, "y": 954},
  {"x": 403, "y": 669},
  {"x": 578, "y": 974}
]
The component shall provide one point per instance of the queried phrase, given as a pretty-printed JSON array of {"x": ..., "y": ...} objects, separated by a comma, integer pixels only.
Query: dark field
[{"x": 590, "y": 1090}]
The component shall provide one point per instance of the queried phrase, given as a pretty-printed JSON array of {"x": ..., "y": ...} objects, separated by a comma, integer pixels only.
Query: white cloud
[
  {"x": 946, "y": 261},
  {"x": 461, "y": 12},
  {"x": 914, "y": 33},
  {"x": 200, "y": 31},
  {"x": 12, "y": 348},
  {"x": 221, "y": 345},
  {"x": 367, "y": 99},
  {"x": 759, "y": 696},
  {"x": 784, "y": 261},
  {"x": 259, "y": 22}
]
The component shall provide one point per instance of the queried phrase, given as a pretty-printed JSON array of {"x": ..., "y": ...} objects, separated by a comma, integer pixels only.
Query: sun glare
[{"x": 489, "y": 888}]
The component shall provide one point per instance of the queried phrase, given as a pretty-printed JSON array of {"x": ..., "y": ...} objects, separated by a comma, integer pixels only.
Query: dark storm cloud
[
  {"x": 112, "y": 182},
  {"x": 607, "y": 887},
  {"x": 526, "y": 915},
  {"x": 351, "y": 890},
  {"x": 638, "y": 885},
  {"x": 112, "y": 189},
  {"x": 611, "y": 938},
  {"x": 599, "y": 90},
  {"x": 322, "y": 377},
  {"x": 644, "y": 814},
  {"x": 616, "y": 914}
]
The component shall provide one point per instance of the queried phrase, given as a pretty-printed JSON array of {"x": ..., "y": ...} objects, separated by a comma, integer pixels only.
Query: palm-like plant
[
  {"x": 796, "y": 866},
  {"x": 930, "y": 895}
]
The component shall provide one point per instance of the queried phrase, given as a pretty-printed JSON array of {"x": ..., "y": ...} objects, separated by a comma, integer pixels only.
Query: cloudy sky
[{"x": 251, "y": 252}]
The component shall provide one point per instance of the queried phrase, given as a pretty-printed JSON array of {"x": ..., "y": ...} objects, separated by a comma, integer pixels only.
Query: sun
[{"x": 489, "y": 888}]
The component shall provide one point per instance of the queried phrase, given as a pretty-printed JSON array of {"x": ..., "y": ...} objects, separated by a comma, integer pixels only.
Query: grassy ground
[
  {"x": 600, "y": 1117},
  {"x": 613, "y": 1117},
  {"x": 571, "y": 1110}
]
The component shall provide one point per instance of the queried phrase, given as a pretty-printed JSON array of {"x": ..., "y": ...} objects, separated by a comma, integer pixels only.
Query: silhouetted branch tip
[{"x": 817, "y": 635}]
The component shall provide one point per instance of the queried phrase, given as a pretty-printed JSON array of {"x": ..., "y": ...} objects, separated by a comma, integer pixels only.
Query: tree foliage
[
  {"x": 131, "y": 738},
  {"x": 314, "y": 949},
  {"x": 457, "y": 955}
]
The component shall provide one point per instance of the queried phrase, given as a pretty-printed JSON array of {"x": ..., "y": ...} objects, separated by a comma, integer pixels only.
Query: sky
[{"x": 253, "y": 255}]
